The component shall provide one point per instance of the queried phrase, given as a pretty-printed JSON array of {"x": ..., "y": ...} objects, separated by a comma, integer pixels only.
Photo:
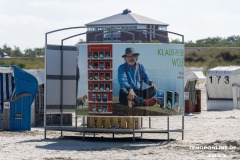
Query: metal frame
[
  {"x": 139, "y": 30},
  {"x": 132, "y": 131},
  {"x": 113, "y": 131}
]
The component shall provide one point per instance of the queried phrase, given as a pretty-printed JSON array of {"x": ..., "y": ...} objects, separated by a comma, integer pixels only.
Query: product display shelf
[{"x": 100, "y": 82}]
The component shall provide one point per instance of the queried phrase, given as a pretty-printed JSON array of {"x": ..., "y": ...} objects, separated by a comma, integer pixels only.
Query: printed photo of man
[{"x": 131, "y": 76}]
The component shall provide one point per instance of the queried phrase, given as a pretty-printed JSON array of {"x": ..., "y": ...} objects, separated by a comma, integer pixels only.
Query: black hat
[{"x": 130, "y": 51}]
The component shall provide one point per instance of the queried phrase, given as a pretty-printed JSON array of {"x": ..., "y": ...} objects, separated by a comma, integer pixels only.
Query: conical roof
[{"x": 126, "y": 17}]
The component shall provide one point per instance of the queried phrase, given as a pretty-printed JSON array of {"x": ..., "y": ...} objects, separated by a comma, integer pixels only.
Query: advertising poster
[{"x": 131, "y": 79}]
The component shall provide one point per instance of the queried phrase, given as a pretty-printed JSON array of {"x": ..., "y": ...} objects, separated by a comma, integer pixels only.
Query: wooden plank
[
  {"x": 99, "y": 122},
  {"x": 114, "y": 122},
  {"x": 106, "y": 122},
  {"x": 90, "y": 122},
  {"x": 129, "y": 123},
  {"x": 123, "y": 124},
  {"x": 137, "y": 123}
]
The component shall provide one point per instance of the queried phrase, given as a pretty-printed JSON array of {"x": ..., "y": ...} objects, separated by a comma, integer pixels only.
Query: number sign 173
[{"x": 226, "y": 79}]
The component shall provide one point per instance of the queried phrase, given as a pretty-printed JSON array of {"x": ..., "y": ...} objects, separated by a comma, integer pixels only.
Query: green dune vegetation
[
  {"x": 207, "y": 53},
  {"x": 28, "y": 59},
  {"x": 213, "y": 52},
  {"x": 24, "y": 63},
  {"x": 207, "y": 57},
  {"x": 210, "y": 57}
]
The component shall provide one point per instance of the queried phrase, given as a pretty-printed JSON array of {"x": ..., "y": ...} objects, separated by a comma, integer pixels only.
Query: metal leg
[
  {"x": 83, "y": 127},
  {"x": 45, "y": 133},
  {"x": 182, "y": 127},
  {"x": 168, "y": 127},
  {"x": 1, "y": 121},
  {"x": 113, "y": 135},
  {"x": 133, "y": 122},
  {"x": 83, "y": 135},
  {"x": 61, "y": 122},
  {"x": 149, "y": 122},
  {"x": 141, "y": 125},
  {"x": 76, "y": 118}
]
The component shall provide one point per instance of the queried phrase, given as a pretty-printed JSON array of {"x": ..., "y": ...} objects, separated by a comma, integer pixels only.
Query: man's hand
[
  {"x": 154, "y": 86},
  {"x": 131, "y": 95}
]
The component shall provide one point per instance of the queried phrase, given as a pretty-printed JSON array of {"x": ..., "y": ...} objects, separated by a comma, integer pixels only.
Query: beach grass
[
  {"x": 83, "y": 111},
  {"x": 23, "y": 63}
]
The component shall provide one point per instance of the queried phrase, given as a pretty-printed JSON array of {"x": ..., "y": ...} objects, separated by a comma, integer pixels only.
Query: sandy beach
[{"x": 207, "y": 135}]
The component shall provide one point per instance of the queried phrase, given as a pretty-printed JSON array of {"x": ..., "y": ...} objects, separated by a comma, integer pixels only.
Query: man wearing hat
[{"x": 131, "y": 76}]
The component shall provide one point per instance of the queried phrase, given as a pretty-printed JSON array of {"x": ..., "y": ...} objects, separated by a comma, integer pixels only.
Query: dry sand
[{"x": 208, "y": 129}]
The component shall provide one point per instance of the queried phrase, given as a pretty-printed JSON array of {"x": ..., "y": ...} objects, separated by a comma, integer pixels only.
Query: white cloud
[{"x": 24, "y": 23}]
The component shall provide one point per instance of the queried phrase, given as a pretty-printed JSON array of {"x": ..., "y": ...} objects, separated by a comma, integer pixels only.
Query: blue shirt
[{"x": 130, "y": 78}]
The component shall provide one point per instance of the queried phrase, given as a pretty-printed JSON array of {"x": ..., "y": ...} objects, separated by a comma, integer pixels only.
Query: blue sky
[{"x": 23, "y": 23}]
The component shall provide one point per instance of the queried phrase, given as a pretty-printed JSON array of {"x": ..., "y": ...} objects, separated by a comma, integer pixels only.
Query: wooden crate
[
  {"x": 106, "y": 122},
  {"x": 99, "y": 122},
  {"x": 91, "y": 122},
  {"x": 113, "y": 122},
  {"x": 123, "y": 123},
  {"x": 137, "y": 121}
]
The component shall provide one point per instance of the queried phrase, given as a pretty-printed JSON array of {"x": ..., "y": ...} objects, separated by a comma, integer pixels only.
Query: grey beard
[{"x": 131, "y": 63}]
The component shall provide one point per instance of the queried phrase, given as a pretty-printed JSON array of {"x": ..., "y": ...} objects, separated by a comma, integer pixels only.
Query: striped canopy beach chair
[{"x": 17, "y": 88}]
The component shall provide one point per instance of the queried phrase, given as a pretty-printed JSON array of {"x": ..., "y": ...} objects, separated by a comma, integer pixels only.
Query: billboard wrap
[{"x": 144, "y": 79}]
